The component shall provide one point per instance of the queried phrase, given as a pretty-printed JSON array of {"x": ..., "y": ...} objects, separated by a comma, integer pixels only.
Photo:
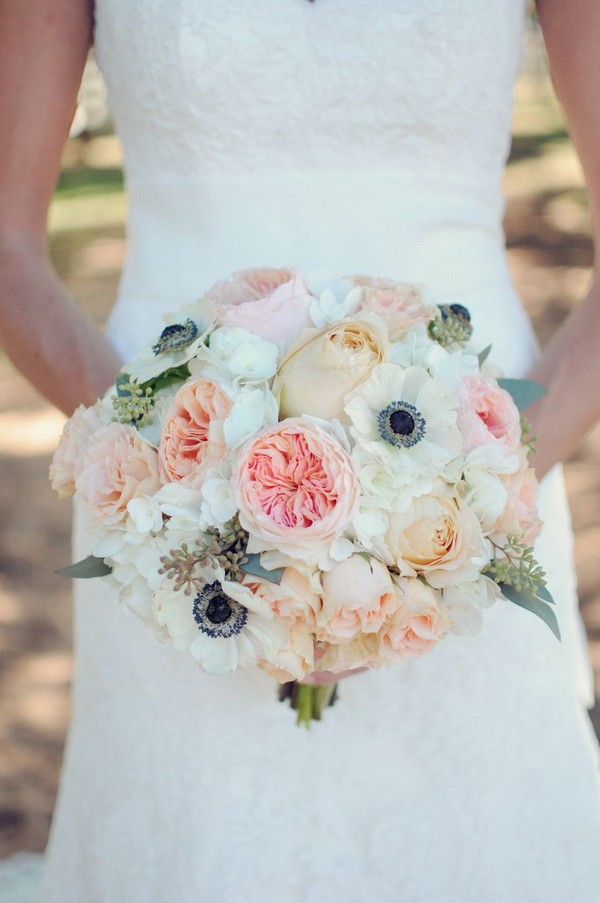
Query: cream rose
[
  {"x": 357, "y": 595},
  {"x": 192, "y": 439},
  {"x": 326, "y": 364},
  {"x": 117, "y": 467},
  {"x": 439, "y": 538},
  {"x": 295, "y": 488}
]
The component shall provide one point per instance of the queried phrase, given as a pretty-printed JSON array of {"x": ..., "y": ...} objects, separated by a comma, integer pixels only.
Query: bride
[{"x": 368, "y": 136}]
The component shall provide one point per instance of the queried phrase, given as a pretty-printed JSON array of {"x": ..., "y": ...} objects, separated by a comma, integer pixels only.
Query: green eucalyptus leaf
[
  {"x": 89, "y": 567},
  {"x": 123, "y": 379},
  {"x": 542, "y": 593},
  {"x": 483, "y": 355},
  {"x": 533, "y": 604},
  {"x": 255, "y": 568},
  {"x": 524, "y": 392},
  {"x": 170, "y": 376}
]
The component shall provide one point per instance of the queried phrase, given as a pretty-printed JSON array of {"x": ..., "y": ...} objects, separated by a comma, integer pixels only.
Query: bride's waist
[{"x": 400, "y": 224}]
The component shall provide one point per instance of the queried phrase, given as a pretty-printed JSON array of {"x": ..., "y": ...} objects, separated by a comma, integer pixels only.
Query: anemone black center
[
  {"x": 170, "y": 332},
  {"x": 218, "y": 610},
  {"x": 460, "y": 311},
  {"x": 402, "y": 423}
]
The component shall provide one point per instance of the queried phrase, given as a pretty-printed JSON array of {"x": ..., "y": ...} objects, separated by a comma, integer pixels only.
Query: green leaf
[
  {"x": 122, "y": 379},
  {"x": 89, "y": 567},
  {"x": 542, "y": 593},
  {"x": 255, "y": 568},
  {"x": 524, "y": 391},
  {"x": 533, "y": 604},
  {"x": 483, "y": 355},
  {"x": 173, "y": 375}
]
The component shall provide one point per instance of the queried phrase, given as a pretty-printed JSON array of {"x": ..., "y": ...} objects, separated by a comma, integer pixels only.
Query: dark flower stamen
[
  {"x": 401, "y": 424},
  {"x": 216, "y": 614},
  {"x": 176, "y": 337}
]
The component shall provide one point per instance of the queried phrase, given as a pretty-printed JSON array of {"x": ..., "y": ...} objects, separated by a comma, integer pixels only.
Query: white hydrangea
[
  {"x": 334, "y": 299},
  {"x": 235, "y": 355},
  {"x": 252, "y": 409},
  {"x": 418, "y": 349}
]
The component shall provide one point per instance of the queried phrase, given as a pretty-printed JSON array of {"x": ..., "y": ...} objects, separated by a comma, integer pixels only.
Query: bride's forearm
[
  {"x": 570, "y": 371},
  {"x": 53, "y": 343}
]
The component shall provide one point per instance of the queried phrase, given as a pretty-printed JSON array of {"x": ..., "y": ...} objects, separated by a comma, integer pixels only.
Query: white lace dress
[{"x": 365, "y": 135}]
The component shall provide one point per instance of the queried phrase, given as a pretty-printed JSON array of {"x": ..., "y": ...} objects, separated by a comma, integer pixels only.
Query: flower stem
[{"x": 308, "y": 700}]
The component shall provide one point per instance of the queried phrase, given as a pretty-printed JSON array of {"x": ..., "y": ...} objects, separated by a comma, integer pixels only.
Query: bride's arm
[
  {"x": 570, "y": 365},
  {"x": 43, "y": 48}
]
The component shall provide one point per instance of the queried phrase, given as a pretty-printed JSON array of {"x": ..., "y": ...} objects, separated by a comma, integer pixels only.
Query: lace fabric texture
[
  {"x": 208, "y": 87},
  {"x": 364, "y": 135}
]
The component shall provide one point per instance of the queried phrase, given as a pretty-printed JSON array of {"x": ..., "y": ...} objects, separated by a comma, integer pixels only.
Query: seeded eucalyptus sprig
[
  {"x": 514, "y": 565},
  {"x": 528, "y": 437},
  {"x": 133, "y": 403},
  {"x": 222, "y": 550},
  {"x": 453, "y": 327}
]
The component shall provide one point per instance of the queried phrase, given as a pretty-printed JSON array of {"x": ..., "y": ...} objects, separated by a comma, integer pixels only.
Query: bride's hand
[{"x": 329, "y": 677}]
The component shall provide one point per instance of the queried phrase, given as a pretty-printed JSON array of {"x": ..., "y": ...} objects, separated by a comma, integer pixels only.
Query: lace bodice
[{"x": 209, "y": 87}]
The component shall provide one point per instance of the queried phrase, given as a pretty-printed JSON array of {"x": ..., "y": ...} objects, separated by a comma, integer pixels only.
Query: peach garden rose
[
  {"x": 192, "y": 439},
  {"x": 295, "y": 488},
  {"x": 400, "y": 305},
  {"x": 117, "y": 467}
]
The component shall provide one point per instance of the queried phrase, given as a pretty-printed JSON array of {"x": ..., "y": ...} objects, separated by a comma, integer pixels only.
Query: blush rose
[
  {"x": 116, "y": 468},
  {"x": 295, "y": 488},
  {"x": 192, "y": 439}
]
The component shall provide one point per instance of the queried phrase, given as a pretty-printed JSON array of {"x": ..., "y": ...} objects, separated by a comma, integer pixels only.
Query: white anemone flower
[
  {"x": 334, "y": 299},
  {"x": 224, "y": 626},
  {"x": 408, "y": 420},
  {"x": 179, "y": 342}
]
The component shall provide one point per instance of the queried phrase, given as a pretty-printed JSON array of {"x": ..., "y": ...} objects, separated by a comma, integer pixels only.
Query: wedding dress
[{"x": 365, "y": 136}]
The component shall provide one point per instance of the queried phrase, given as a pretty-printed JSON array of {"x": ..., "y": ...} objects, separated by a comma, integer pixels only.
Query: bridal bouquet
[{"x": 309, "y": 473}]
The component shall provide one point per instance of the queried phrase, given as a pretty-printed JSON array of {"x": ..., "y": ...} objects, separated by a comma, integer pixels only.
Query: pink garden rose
[
  {"x": 357, "y": 596},
  {"x": 488, "y": 414},
  {"x": 192, "y": 438},
  {"x": 417, "y": 625},
  {"x": 118, "y": 466},
  {"x": 400, "y": 305},
  {"x": 68, "y": 457},
  {"x": 272, "y": 303},
  {"x": 520, "y": 517},
  {"x": 295, "y": 488}
]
